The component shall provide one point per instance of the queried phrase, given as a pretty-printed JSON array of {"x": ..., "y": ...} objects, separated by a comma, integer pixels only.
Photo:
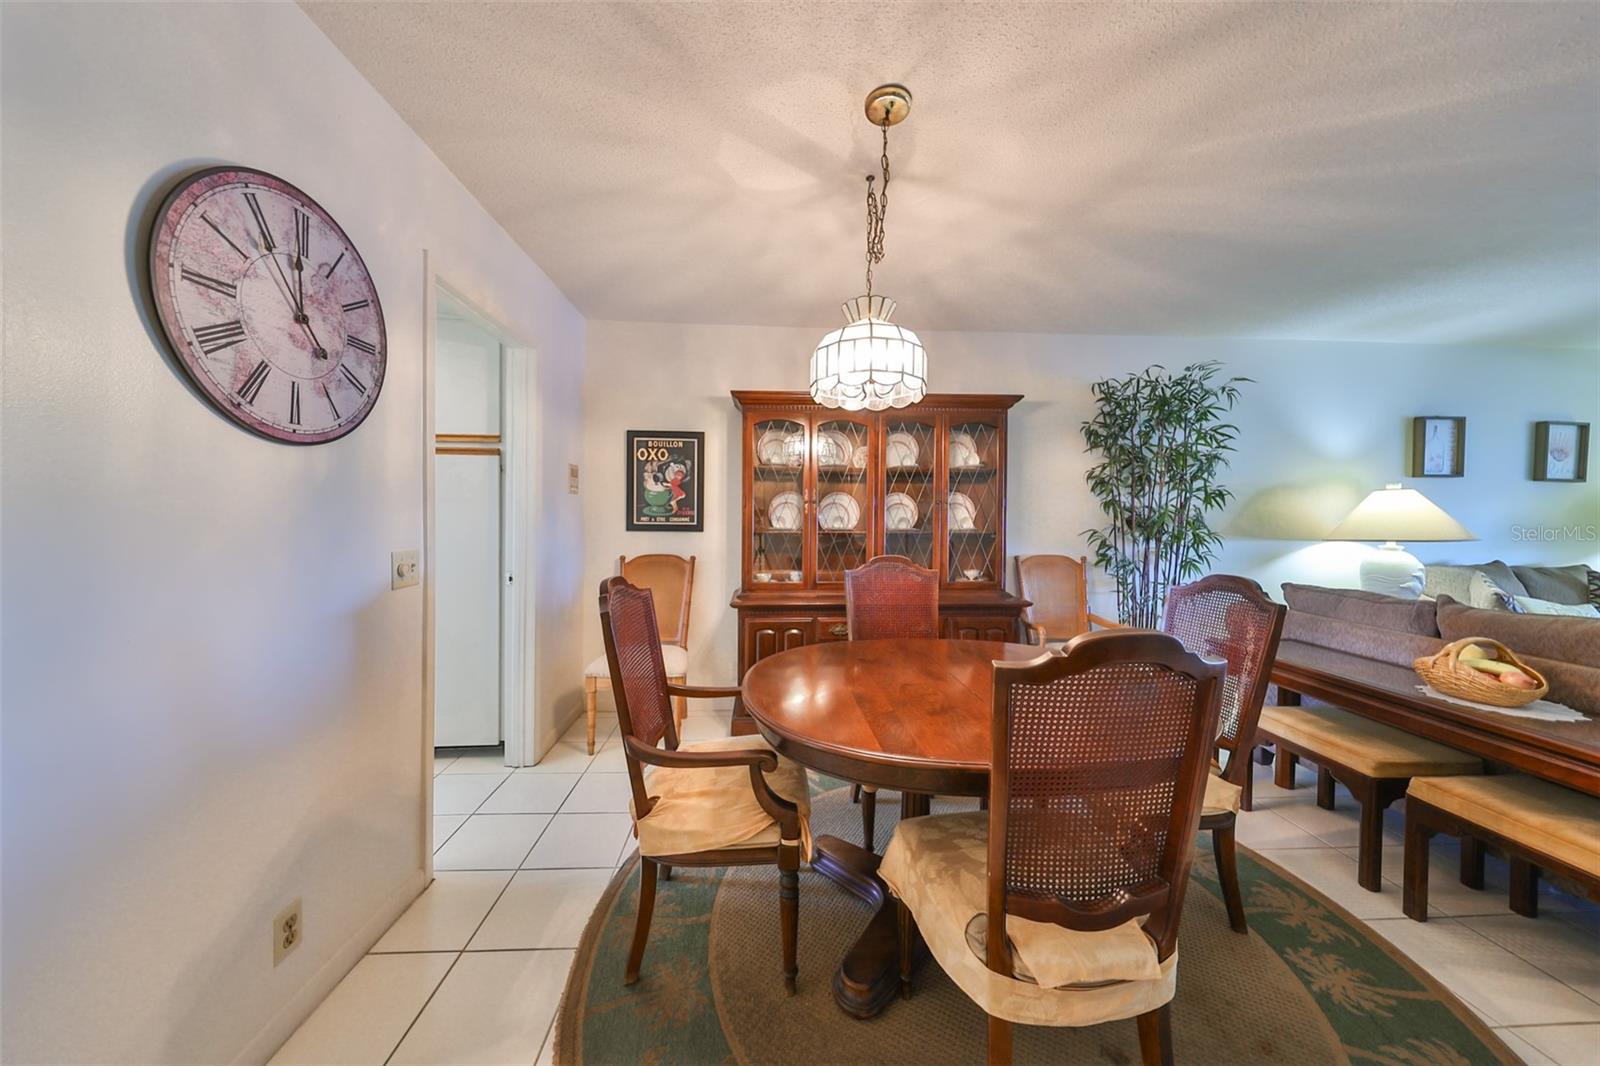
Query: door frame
[{"x": 518, "y": 536}]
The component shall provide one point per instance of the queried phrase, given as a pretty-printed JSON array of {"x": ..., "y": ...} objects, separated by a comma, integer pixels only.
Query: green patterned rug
[{"x": 1309, "y": 984}]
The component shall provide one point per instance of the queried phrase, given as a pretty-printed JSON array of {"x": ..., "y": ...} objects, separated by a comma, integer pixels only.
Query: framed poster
[
  {"x": 665, "y": 487},
  {"x": 1438, "y": 446},
  {"x": 1561, "y": 451}
]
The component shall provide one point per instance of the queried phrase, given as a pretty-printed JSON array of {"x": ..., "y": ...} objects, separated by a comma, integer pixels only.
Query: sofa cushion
[
  {"x": 1366, "y": 608},
  {"x": 1560, "y": 584},
  {"x": 1369, "y": 642},
  {"x": 1446, "y": 580},
  {"x": 1571, "y": 640}
]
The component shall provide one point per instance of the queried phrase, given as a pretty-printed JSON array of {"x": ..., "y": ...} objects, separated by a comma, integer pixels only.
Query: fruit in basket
[
  {"x": 1489, "y": 666},
  {"x": 1473, "y": 651},
  {"x": 1518, "y": 679}
]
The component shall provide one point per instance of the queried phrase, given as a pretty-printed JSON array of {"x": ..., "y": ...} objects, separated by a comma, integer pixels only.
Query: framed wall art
[
  {"x": 1438, "y": 446},
  {"x": 1561, "y": 451},
  {"x": 665, "y": 486}
]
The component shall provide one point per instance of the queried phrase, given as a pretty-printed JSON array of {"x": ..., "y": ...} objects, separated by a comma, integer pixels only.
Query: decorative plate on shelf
[
  {"x": 963, "y": 512},
  {"x": 833, "y": 448},
  {"x": 901, "y": 449},
  {"x": 899, "y": 511},
  {"x": 963, "y": 451},
  {"x": 779, "y": 448},
  {"x": 785, "y": 510},
  {"x": 838, "y": 511},
  {"x": 859, "y": 459}
]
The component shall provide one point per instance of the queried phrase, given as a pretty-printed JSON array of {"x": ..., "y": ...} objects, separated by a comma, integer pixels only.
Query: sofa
[{"x": 1564, "y": 648}]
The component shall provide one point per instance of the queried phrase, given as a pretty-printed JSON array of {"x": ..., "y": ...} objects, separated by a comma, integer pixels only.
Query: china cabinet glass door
[
  {"x": 778, "y": 502},
  {"x": 842, "y": 511},
  {"x": 909, "y": 470},
  {"x": 975, "y": 461}
]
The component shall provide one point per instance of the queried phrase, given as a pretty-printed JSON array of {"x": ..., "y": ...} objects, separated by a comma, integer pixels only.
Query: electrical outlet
[
  {"x": 288, "y": 929},
  {"x": 402, "y": 569},
  {"x": 572, "y": 479}
]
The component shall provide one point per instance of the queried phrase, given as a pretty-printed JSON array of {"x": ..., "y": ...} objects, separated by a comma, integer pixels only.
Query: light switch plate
[
  {"x": 572, "y": 479},
  {"x": 402, "y": 569}
]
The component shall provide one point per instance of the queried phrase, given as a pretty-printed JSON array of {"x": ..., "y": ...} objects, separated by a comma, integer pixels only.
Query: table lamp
[{"x": 1393, "y": 514}]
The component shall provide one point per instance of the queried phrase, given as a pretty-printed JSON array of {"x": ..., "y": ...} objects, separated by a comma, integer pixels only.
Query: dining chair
[
  {"x": 1059, "y": 906},
  {"x": 1057, "y": 587},
  {"x": 732, "y": 801},
  {"x": 671, "y": 578},
  {"x": 888, "y": 597},
  {"x": 1229, "y": 618}
]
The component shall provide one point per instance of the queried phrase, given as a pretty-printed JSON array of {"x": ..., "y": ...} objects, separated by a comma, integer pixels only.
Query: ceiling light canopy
[{"x": 872, "y": 363}]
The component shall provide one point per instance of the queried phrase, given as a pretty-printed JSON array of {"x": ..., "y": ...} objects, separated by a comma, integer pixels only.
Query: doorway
[{"x": 469, "y": 565}]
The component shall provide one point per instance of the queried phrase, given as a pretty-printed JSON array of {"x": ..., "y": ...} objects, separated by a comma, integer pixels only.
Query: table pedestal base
[{"x": 868, "y": 978}]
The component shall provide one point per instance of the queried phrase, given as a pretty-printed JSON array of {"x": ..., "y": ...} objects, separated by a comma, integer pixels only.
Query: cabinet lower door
[
  {"x": 981, "y": 627},
  {"x": 769, "y": 636}
]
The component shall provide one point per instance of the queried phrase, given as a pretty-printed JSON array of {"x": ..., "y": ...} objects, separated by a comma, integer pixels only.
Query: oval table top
[{"x": 912, "y": 715}]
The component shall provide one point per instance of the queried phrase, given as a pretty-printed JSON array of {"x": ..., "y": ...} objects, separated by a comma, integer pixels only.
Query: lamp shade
[
  {"x": 1393, "y": 513},
  {"x": 870, "y": 363}
]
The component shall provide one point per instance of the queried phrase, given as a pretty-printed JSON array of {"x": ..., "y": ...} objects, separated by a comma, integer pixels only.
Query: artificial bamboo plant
[{"x": 1163, "y": 444}]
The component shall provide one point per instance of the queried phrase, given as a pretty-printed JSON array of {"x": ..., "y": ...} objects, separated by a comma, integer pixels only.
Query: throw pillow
[
  {"x": 1594, "y": 587},
  {"x": 1529, "y": 605},
  {"x": 1482, "y": 592},
  {"x": 1453, "y": 581},
  {"x": 1560, "y": 584}
]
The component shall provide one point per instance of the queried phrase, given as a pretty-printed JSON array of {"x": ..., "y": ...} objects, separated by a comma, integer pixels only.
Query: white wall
[
  {"x": 1322, "y": 424},
  {"x": 212, "y": 701}
]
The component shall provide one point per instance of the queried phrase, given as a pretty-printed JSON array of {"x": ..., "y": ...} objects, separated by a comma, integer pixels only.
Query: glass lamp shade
[{"x": 871, "y": 363}]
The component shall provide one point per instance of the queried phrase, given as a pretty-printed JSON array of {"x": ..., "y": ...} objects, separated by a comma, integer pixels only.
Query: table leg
[{"x": 868, "y": 978}]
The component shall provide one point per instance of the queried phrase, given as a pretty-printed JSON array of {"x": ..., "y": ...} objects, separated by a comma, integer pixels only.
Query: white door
[{"x": 467, "y": 604}]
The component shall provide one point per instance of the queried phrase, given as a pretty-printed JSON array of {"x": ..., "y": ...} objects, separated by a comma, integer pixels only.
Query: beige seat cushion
[
  {"x": 939, "y": 867},
  {"x": 1365, "y": 746},
  {"x": 675, "y": 658},
  {"x": 1541, "y": 816},
  {"x": 1221, "y": 796},
  {"x": 707, "y": 808}
]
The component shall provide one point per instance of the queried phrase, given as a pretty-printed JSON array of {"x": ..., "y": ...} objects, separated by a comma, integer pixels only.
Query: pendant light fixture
[{"x": 871, "y": 363}]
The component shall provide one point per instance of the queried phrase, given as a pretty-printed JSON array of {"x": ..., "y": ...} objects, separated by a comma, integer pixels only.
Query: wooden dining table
[{"x": 910, "y": 715}]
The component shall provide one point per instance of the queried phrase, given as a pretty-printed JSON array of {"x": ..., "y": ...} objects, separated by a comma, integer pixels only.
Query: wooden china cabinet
[{"x": 825, "y": 490}]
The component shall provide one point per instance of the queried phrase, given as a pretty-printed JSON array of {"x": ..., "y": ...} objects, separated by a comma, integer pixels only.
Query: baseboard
[{"x": 282, "y": 1025}]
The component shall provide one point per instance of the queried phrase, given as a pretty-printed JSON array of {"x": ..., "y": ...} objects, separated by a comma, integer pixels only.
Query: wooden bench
[
  {"x": 1537, "y": 825},
  {"x": 1374, "y": 761}
]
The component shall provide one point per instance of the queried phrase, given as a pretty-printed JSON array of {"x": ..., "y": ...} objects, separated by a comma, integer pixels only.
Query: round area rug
[{"x": 1309, "y": 984}]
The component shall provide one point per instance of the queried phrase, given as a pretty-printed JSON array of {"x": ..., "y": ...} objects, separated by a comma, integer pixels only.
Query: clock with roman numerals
[{"x": 268, "y": 305}]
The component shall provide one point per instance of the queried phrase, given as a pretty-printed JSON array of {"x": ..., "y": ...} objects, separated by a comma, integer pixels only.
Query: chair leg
[
  {"x": 999, "y": 1042},
  {"x": 680, "y": 704},
  {"x": 869, "y": 814},
  {"x": 1524, "y": 887},
  {"x": 1247, "y": 796},
  {"x": 641, "y": 926},
  {"x": 1324, "y": 788},
  {"x": 1472, "y": 862},
  {"x": 1228, "y": 874},
  {"x": 1369, "y": 845},
  {"x": 1155, "y": 1036},
  {"x": 1283, "y": 768},
  {"x": 591, "y": 687},
  {"x": 789, "y": 907},
  {"x": 666, "y": 872},
  {"x": 1414, "y": 887},
  {"x": 855, "y": 793},
  {"x": 908, "y": 931}
]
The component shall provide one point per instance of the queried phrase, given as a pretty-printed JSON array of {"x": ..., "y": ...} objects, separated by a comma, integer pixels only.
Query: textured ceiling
[{"x": 1386, "y": 172}]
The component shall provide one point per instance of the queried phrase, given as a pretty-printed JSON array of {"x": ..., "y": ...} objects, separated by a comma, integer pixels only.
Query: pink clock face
[{"x": 268, "y": 305}]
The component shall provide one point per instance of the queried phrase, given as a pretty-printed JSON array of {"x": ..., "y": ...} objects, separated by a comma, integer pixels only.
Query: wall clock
[{"x": 268, "y": 305}]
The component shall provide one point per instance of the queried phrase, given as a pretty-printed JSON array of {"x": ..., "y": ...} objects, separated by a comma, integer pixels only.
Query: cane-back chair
[
  {"x": 1230, "y": 618},
  {"x": 726, "y": 802},
  {"x": 889, "y": 597},
  {"x": 1099, "y": 762},
  {"x": 671, "y": 579}
]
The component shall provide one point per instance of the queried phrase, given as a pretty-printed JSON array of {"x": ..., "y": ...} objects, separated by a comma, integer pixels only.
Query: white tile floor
[{"x": 473, "y": 971}]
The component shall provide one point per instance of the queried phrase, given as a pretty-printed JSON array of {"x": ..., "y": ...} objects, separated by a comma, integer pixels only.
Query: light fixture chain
[{"x": 878, "y": 206}]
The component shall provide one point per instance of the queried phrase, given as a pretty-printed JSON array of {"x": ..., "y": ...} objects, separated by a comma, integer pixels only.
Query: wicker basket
[{"x": 1445, "y": 672}]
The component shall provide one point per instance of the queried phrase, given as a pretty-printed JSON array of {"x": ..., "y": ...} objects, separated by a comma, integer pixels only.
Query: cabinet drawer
[{"x": 832, "y": 627}]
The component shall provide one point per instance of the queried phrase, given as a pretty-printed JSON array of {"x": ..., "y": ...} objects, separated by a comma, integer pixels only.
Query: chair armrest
[
  {"x": 1104, "y": 623},
  {"x": 755, "y": 758},
  {"x": 1032, "y": 633},
  {"x": 703, "y": 692}
]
